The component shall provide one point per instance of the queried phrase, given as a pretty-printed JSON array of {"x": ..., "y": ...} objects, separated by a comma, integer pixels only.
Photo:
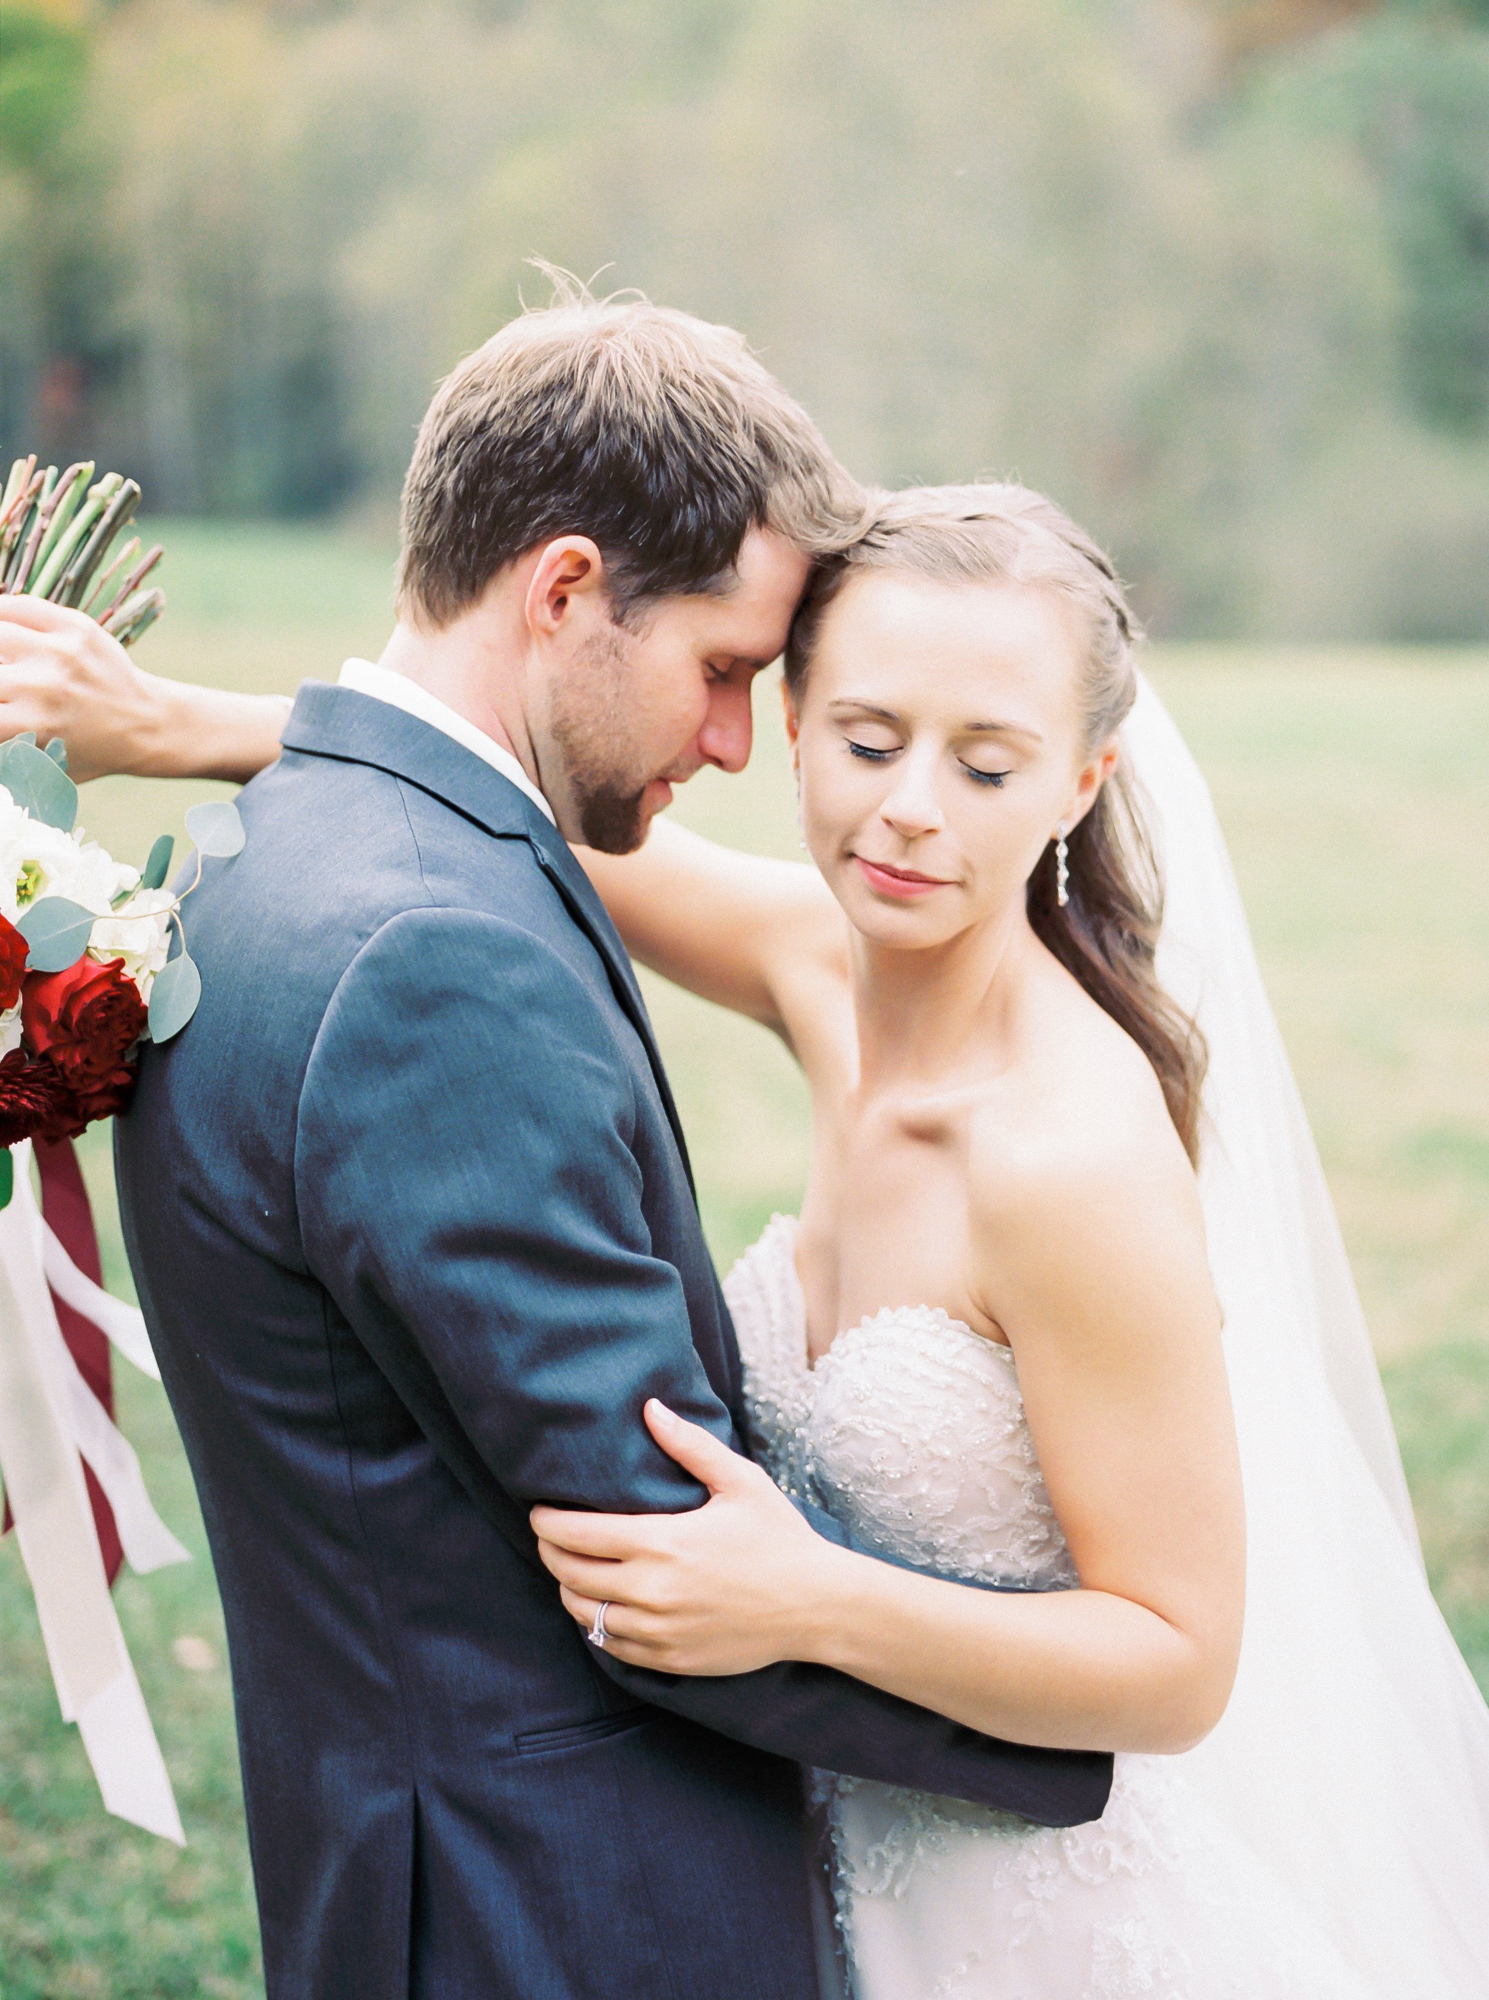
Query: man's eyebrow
[{"x": 967, "y": 729}]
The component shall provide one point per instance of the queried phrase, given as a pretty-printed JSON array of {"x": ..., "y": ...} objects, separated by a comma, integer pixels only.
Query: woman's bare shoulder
[{"x": 1077, "y": 1172}]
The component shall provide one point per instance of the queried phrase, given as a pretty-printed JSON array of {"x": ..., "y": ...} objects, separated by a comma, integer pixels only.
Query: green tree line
[{"x": 1214, "y": 272}]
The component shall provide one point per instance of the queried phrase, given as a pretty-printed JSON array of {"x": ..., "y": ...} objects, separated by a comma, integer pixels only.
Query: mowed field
[{"x": 1352, "y": 790}]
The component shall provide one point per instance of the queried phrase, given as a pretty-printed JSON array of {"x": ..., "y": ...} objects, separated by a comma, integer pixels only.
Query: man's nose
[{"x": 729, "y": 728}]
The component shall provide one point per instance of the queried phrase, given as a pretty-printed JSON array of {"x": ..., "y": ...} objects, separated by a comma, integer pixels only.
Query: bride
[
  {"x": 1060, "y": 1296},
  {"x": 991, "y": 1346}
]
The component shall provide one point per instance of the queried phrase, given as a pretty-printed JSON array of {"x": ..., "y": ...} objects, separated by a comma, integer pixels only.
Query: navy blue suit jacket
[{"x": 415, "y": 1238}]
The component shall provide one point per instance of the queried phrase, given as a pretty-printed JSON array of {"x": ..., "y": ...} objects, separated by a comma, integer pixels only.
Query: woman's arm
[
  {"x": 738, "y": 929},
  {"x": 62, "y": 675},
  {"x": 1116, "y": 1337}
]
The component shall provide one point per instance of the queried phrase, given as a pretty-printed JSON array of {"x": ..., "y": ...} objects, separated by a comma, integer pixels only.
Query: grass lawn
[{"x": 1351, "y": 789}]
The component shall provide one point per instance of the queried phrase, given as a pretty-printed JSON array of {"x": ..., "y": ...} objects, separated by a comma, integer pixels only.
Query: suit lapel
[
  {"x": 328, "y": 721},
  {"x": 556, "y": 859}
]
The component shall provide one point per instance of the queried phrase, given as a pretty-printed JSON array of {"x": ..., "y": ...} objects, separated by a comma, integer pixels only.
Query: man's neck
[{"x": 470, "y": 672}]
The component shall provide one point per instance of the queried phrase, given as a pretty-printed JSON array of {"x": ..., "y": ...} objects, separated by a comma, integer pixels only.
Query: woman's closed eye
[{"x": 880, "y": 753}]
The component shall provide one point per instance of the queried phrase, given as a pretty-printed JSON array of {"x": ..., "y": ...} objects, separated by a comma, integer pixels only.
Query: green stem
[
  {"x": 70, "y": 490},
  {"x": 20, "y": 477},
  {"x": 118, "y": 512},
  {"x": 18, "y": 520},
  {"x": 45, "y": 502},
  {"x": 65, "y": 547},
  {"x": 128, "y": 615},
  {"x": 143, "y": 619},
  {"x": 102, "y": 596},
  {"x": 90, "y": 542}
]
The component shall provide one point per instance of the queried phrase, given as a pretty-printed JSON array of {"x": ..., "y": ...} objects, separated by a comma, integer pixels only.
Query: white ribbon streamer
[
  {"x": 124, "y": 1325},
  {"x": 41, "y": 1415},
  {"x": 147, "y": 1542}
]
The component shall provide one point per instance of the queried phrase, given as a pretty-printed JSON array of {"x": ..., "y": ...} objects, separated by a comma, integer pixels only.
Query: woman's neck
[{"x": 923, "y": 1016}]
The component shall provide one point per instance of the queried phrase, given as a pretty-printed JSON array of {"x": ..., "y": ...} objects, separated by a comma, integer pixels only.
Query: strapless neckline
[
  {"x": 910, "y": 1428},
  {"x": 788, "y": 1229}
]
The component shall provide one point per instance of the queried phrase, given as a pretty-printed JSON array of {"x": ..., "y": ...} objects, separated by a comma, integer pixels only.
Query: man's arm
[{"x": 470, "y": 1198}]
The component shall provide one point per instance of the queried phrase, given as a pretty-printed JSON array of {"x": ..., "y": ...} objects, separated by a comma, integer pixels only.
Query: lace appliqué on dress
[
  {"x": 764, "y": 1299},
  {"x": 911, "y": 1431}
]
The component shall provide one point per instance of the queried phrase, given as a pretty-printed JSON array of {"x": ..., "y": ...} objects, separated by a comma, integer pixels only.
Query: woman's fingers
[
  {"x": 614, "y": 1536},
  {"x": 696, "y": 1450},
  {"x": 17, "y": 639},
  {"x": 624, "y": 1637},
  {"x": 583, "y": 1573},
  {"x": 41, "y": 615},
  {"x": 583, "y": 1610}
]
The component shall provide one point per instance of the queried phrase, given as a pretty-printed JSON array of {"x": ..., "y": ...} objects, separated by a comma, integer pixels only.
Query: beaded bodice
[{"x": 910, "y": 1430}]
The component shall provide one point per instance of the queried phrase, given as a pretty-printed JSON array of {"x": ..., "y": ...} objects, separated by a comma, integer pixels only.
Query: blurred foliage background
[{"x": 1216, "y": 272}]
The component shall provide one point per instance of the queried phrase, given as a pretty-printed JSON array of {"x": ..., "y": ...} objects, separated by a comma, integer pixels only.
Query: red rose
[
  {"x": 85, "y": 1020},
  {"x": 99, "y": 1100},
  {"x": 13, "y": 954},
  {"x": 34, "y": 1100}
]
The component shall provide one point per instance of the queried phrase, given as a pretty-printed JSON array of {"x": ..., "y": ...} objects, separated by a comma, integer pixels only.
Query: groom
[{"x": 415, "y": 1237}]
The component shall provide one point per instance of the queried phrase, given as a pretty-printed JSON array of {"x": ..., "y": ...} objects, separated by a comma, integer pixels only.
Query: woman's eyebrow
[
  {"x": 863, "y": 708},
  {"x": 857, "y": 706},
  {"x": 1001, "y": 729}
]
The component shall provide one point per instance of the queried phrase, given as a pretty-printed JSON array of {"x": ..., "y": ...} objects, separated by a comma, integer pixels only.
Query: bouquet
[
  {"x": 93, "y": 958},
  {"x": 56, "y": 529},
  {"x": 93, "y": 963}
]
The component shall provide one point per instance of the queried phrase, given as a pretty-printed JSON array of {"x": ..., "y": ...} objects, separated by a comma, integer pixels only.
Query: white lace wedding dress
[{"x": 911, "y": 1432}]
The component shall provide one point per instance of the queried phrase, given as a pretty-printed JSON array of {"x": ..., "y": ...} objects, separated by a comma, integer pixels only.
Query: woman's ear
[
  {"x": 793, "y": 724},
  {"x": 1092, "y": 777}
]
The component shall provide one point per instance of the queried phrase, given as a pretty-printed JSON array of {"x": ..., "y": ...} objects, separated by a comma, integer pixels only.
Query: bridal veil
[{"x": 1354, "y": 1756}]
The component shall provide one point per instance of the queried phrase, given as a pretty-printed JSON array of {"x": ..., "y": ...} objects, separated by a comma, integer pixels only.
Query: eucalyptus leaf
[
  {"x": 37, "y": 782},
  {"x": 7, "y": 1176},
  {"x": 155, "y": 870},
  {"x": 57, "y": 751},
  {"x": 57, "y": 932},
  {"x": 173, "y": 997},
  {"x": 216, "y": 828}
]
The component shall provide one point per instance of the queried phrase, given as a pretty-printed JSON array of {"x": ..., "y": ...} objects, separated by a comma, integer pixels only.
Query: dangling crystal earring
[
  {"x": 801, "y": 831},
  {"x": 1062, "y": 866}
]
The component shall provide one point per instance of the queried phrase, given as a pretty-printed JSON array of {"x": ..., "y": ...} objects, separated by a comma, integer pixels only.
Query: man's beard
[{"x": 589, "y": 725}]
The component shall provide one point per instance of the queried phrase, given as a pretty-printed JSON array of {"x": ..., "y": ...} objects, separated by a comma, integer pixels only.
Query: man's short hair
[{"x": 655, "y": 434}]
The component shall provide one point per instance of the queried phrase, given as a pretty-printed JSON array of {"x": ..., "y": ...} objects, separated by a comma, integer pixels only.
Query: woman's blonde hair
[{"x": 1106, "y": 935}]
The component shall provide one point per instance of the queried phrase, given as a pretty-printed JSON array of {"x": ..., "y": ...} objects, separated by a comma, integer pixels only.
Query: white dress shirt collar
[{"x": 363, "y": 677}]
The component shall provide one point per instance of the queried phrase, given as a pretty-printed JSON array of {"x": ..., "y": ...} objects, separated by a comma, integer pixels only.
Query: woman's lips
[{"x": 901, "y": 883}]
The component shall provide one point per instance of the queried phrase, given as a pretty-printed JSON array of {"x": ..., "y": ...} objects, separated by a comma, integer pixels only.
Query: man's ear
[{"x": 568, "y": 576}]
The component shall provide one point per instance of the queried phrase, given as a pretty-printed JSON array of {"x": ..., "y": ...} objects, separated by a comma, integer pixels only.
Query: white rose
[
  {"x": 139, "y": 933},
  {"x": 37, "y": 860}
]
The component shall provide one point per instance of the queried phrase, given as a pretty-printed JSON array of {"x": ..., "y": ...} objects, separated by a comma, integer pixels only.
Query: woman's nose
[{"x": 911, "y": 805}]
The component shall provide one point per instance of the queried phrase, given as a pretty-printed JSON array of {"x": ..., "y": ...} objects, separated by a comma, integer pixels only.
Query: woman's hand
[
  {"x": 62, "y": 675},
  {"x": 727, "y": 1588}
]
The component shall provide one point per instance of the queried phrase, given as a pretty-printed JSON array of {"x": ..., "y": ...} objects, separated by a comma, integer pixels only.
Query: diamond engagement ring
[{"x": 596, "y": 1634}]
